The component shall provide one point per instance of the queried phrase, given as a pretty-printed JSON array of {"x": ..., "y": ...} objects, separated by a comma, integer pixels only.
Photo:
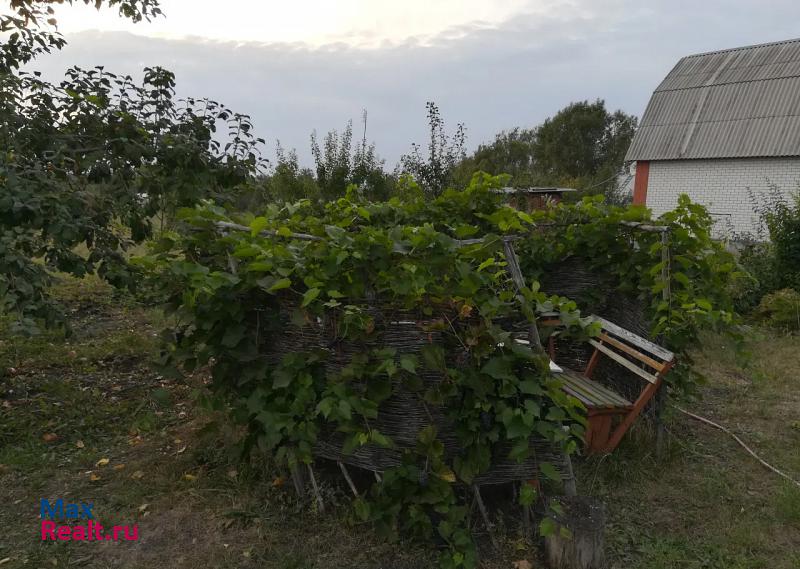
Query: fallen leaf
[
  {"x": 102, "y": 462},
  {"x": 448, "y": 476},
  {"x": 119, "y": 466},
  {"x": 522, "y": 564},
  {"x": 189, "y": 477},
  {"x": 6, "y": 560},
  {"x": 79, "y": 444},
  {"x": 279, "y": 481},
  {"x": 143, "y": 507},
  {"x": 94, "y": 477},
  {"x": 181, "y": 450},
  {"x": 49, "y": 437},
  {"x": 7, "y": 404},
  {"x": 137, "y": 475}
]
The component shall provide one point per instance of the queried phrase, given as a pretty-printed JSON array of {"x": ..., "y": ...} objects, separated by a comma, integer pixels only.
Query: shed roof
[{"x": 742, "y": 102}]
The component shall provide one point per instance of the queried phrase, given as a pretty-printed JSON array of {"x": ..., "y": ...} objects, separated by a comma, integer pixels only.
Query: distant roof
[
  {"x": 536, "y": 190},
  {"x": 742, "y": 102}
]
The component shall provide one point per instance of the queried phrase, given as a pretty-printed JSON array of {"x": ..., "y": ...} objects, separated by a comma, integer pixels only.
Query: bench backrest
[{"x": 647, "y": 360}]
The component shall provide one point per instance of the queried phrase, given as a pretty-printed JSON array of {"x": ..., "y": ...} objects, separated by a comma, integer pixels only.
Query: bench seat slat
[
  {"x": 591, "y": 393},
  {"x": 592, "y": 390}
]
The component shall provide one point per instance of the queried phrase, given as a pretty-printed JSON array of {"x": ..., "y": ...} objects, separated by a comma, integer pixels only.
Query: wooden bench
[{"x": 610, "y": 414}]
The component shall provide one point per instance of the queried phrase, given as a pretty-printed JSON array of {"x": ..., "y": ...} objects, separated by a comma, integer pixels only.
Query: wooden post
[
  {"x": 320, "y": 503},
  {"x": 578, "y": 541},
  {"x": 298, "y": 480},
  {"x": 660, "y": 400},
  {"x": 534, "y": 339},
  {"x": 346, "y": 475},
  {"x": 570, "y": 488},
  {"x": 485, "y": 515}
]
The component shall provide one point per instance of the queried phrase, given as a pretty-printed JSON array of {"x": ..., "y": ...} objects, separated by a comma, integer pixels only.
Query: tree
[
  {"x": 340, "y": 165},
  {"x": 583, "y": 145},
  {"x": 93, "y": 160},
  {"x": 32, "y": 30},
  {"x": 289, "y": 182},
  {"x": 511, "y": 153},
  {"x": 436, "y": 170}
]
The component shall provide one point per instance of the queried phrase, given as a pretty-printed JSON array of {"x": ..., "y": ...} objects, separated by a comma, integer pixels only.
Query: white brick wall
[{"x": 722, "y": 186}]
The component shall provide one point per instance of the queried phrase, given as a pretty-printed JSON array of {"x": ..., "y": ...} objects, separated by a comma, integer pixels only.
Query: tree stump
[{"x": 583, "y": 545}]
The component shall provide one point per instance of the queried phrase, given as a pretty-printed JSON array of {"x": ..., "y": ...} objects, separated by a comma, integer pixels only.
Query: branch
[
  {"x": 267, "y": 232},
  {"x": 738, "y": 440}
]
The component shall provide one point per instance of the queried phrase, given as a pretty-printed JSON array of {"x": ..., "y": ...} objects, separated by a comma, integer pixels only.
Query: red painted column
[{"x": 640, "y": 182}]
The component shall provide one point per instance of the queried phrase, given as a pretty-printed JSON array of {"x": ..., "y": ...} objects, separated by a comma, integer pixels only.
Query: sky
[{"x": 303, "y": 65}]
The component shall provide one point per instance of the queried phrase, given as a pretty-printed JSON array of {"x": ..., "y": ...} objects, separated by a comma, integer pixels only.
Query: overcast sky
[{"x": 301, "y": 65}]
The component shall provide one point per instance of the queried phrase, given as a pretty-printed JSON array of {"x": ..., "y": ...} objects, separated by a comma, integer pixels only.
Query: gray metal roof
[{"x": 742, "y": 102}]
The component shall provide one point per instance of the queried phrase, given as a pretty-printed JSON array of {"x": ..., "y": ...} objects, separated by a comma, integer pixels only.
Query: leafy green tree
[
  {"x": 94, "y": 160},
  {"x": 511, "y": 153},
  {"x": 435, "y": 169},
  {"x": 583, "y": 145},
  {"x": 31, "y": 26},
  {"x": 288, "y": 181},
  {"x": 339, "y": 164}
]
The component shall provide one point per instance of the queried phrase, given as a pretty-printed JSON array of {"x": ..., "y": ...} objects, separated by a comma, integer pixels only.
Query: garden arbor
[{"x": 387, "y": 335}]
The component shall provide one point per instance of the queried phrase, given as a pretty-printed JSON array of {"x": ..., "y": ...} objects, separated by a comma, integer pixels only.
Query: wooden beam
[
  {"x": 656, "y": 365},
  {"x": 519, "y": 281},
  {"x": 638, "y": 341},
  {"x": 267, "y": 232},
  {"x": 638, "y": 406},
  {"x": 623, "y": 362}
]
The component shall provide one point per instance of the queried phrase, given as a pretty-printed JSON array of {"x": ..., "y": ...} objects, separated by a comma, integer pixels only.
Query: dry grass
[{"x": 703, "y": 503}]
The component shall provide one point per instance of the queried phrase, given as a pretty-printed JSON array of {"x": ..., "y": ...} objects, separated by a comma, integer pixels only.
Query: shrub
[
  {"x": 774, "y": 264},
  {"x": 762, "y": 275}
]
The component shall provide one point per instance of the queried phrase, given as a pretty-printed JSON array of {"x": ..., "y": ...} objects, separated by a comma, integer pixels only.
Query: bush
[
  {"x": 762, "y": 275},
  {"x": 781, "y": 309},
  {"x": 771, "y": 258}
]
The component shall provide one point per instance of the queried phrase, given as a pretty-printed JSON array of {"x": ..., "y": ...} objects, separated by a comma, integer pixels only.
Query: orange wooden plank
[
  {"x": 656, "y": 365},
  {"x": 623, "y": 362}
]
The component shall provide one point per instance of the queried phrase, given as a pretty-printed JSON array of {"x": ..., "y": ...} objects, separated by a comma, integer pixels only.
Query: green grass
[{"x": 699, "y": 503}]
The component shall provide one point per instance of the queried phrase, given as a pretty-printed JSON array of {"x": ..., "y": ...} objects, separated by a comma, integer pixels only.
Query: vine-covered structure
[{"x": 384, "y": 335}]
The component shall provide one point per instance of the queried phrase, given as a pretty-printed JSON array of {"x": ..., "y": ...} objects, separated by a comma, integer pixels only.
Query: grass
[
  {"x": 704, "y": 503},
  {"x": 68, "y": 401}
]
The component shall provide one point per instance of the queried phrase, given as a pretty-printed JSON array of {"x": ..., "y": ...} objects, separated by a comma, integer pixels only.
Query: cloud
[
  {"x": 316, "y": 22},
  {"x": 489, "y": 76}
]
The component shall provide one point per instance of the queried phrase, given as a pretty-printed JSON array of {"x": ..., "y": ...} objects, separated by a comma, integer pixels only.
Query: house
[{"x": 724, "y": 128}]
